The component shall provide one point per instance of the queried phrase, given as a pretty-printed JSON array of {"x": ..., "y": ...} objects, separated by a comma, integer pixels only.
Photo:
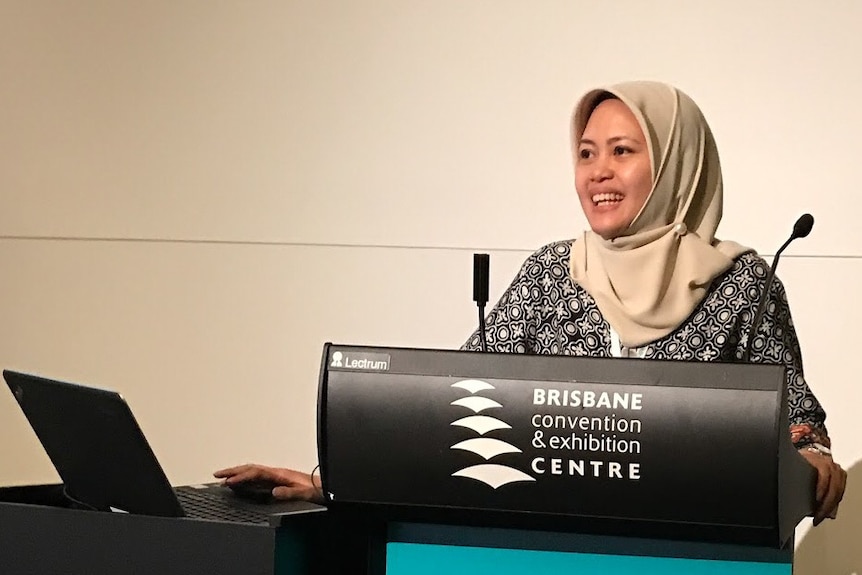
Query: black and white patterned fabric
[{"x": 545, "y": 312}]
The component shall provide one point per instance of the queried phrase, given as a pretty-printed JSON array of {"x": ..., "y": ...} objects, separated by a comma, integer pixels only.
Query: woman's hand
[
  {"x": 290, "y": 484},
  {"x": 831, "y": 480}
]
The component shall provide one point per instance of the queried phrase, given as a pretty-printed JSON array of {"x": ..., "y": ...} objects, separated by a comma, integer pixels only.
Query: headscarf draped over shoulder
[{"x": 650, "y": 279}]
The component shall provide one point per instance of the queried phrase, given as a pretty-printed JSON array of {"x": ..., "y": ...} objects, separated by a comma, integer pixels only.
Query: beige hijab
[{"x": 649, "y": 280}]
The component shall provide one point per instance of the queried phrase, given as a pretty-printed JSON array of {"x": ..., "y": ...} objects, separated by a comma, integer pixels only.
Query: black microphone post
[
  {"x": 480, "y": 291},
  {"x": 801, "y": 229}
]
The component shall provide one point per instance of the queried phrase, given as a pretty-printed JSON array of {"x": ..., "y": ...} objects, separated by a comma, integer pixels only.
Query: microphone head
[
  {"x": 480, "y": 278},
  {"x": 803, "y": 226}
]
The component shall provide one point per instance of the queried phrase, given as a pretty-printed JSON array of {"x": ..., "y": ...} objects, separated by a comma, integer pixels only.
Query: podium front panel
[{"x": 583, "y": 441}]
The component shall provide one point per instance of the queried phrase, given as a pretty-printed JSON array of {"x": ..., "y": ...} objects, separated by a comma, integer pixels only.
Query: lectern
[
  {"x": 41, "y": 534},
  {"x": 507, "y": 463}
]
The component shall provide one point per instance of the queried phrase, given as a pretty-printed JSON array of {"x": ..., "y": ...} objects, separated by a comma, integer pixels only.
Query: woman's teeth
[{"x": 606, "y": 198}]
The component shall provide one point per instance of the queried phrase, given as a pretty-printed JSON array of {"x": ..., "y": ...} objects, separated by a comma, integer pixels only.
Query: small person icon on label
[{"x": 336, "y": 359}]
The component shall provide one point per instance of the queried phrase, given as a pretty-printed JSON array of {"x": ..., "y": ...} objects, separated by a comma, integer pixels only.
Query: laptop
[{"x": 106, "y": 463}]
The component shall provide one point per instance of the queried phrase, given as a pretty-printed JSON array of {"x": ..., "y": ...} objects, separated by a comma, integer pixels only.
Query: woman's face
[{"x": 613, "y": 175}]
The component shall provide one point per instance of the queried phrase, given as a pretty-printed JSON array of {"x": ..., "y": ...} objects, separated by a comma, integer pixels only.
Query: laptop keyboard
[{"x": 217, "y": 505}]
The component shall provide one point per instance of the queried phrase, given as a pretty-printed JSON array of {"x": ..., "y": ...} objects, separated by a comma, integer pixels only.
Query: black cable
[
  {"x": 758, "y": 316},
  {"x": 319, "y": 490},
  {"x": 482, "y": 328},
  {"x": 78, "y": 502}
]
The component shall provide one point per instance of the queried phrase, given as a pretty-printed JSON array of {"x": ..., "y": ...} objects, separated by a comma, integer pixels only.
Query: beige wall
[{"x": 195, "y": 195}]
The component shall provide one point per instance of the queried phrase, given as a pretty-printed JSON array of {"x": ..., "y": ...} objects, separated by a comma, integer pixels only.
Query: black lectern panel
[
  {"x": 47, "y": 539},
  {"x": 41, "y": 534},
  {"x": 627, "y": 446}
]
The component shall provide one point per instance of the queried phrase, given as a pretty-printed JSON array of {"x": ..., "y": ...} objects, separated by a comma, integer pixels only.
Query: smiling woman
[
  {"x": 652, "y": 251},
  {"x": 649, "y": 279}
]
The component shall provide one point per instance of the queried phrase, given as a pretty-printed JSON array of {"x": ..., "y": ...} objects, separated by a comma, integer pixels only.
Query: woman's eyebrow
[{"x": 611, "y": 140}]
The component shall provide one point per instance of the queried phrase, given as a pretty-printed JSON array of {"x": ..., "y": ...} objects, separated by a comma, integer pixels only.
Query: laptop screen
[{"x": 96, "y": 445}]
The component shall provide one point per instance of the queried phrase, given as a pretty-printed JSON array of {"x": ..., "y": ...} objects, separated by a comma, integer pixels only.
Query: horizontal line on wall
[
  {"x": 325, "y": 245},
  {"x": 255, "y": 243}
]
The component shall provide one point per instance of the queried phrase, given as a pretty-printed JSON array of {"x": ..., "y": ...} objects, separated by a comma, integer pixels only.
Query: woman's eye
[
  {"x": 620, "y": 150},
  {"x": 584, "y": 154}
]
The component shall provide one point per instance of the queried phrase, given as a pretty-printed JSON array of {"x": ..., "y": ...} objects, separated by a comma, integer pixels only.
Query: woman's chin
[{"x": 607, "y": 232}]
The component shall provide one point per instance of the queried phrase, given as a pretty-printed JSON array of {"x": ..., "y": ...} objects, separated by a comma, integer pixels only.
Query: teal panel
[{"x": 425, "y": 559}]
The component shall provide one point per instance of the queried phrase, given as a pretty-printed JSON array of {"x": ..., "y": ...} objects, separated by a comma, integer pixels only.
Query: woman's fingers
[
  {"x": 247, "y": 472},
  {"x": 837, "y": 483}
]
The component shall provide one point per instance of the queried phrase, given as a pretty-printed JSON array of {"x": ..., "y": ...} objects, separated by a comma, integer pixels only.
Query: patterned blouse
[{"x": 545, "y": 312}]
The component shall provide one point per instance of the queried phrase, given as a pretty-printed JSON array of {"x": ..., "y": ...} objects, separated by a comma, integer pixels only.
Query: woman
[{"x": 649, "y": 280}]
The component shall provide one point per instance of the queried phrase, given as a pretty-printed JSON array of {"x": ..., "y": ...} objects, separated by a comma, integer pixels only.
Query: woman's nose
[{"x": 601, "y": 169}]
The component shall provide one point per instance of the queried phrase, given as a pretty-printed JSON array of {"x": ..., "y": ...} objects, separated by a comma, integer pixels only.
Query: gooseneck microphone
[
  {"x": 480, "y": 291},
  {"x": 801, "y": 228}
]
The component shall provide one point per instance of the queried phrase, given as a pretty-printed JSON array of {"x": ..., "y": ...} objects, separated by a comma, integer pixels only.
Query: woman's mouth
[{"x": 607, "y": 198}]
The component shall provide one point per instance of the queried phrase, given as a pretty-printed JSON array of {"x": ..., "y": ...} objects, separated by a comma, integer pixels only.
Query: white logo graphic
[
  {"x": 494, "y": 475},
  {"x": 487, "y": 447},
  {"x": 481, "y": 424},
  {"x": 473, "y": 385},
  {"x": 366, "y": 361},
  {"x": 491, "y": 474},
  {"x": 476, "y": 403}
]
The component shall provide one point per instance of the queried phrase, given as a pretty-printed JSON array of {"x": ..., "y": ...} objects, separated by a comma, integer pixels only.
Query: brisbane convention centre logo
[{"x": 485, "y": 446}]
